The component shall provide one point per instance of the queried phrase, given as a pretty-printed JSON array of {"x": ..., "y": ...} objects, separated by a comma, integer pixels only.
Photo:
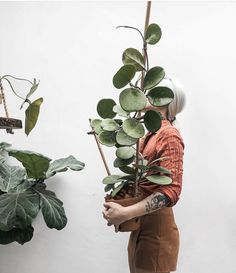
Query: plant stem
[
  {"x": 20, "y": 79},
  {"x": 134, "y": 29},
  {"x": 12, "y": 88}
]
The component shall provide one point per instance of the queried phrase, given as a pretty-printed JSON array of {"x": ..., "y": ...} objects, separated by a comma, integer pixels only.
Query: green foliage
[
  {"x": 105, "y": 108},
  {"x": 124, "y": 75},
  {"x": 23, "y": 193},
  {"x": 134, "y": 57},
  {"x": 153, "y": 34},
  {"x": 31, "y": 115},
  {"x": 141, "y": 84},
  {"x": 152, "y": 121},
  {"x": 160, "y": 96},
  {"x": 132, "y": 100}
]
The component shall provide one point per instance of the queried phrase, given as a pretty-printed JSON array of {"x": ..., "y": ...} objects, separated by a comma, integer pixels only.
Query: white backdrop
[{"x": 74, "y": 49}]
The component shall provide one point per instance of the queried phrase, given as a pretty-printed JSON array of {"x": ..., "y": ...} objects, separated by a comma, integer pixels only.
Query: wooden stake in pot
[
  {"x": 147, "y": 17},
  {"x": 7, "y": 122}
]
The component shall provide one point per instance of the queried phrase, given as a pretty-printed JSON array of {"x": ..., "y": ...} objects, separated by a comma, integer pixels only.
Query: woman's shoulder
[{"x": 168, "y": 130}]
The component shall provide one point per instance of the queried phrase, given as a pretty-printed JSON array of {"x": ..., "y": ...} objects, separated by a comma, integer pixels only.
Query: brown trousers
[{"x": 154, "y": 246}]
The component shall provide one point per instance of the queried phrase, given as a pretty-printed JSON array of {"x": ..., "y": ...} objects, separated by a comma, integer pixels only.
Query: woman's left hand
[{"x": 115, "y": 214}]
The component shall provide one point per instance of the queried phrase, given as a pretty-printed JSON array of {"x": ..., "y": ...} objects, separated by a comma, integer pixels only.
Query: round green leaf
[
  {"x": 124, "y": 75},
  {"x": 118, "y": 163},
  {"x": 134, "y": 57},
  {"x": 132, "y": 100},
  {"x": 123, "y": 139},
  {"x": 159, "y": 179},
  {"x": 105, "y": 108},
  {"x": 109, "y": 125},
  {"x": 120, "y": 111},
  {"x": 132, "y": 127},
  {"x": 125, "y": 152},
  {"x": 96, "y": 125},
  {"x": 152, "y": 121},
  {"x": 111, "y": 179},
  {"x": 153, "y": 77},
  {"x": 109, "y": 187},
  {"x": 153, "y": 34},
  {"x": 107, "y": 138},
  {"x": 160, "y": 96}
]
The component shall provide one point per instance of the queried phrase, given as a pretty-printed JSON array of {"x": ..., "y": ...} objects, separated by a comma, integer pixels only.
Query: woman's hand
[{"x": 115, "y": 214}]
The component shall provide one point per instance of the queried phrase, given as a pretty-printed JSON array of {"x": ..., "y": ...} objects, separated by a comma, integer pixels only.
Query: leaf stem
[
  {"x": 12, "y": 88},
  {"x": 134, "y": 29},
  {"x": 20, "y": 79}
]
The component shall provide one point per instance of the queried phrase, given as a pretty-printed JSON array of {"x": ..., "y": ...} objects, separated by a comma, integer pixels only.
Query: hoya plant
[
  {"x": 31, "y": 112},
  {"x": 24, "y": 193},
  {"x": 123, "y": 123}
]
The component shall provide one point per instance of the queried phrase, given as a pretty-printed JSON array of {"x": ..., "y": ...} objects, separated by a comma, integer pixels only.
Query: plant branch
[
  {"x": 20, "y": 79},
  {"x": 134, "y": 29},
  {"x": 13, "y": 88}
]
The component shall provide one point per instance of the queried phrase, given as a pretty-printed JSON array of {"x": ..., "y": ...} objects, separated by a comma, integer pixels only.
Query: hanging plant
[
  {"x": 23, "y": 193},
  {"x": 31, "y": 112}
]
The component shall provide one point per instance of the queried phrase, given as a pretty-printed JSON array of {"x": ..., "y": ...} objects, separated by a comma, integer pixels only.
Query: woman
[{"x": 154, "y": 246}]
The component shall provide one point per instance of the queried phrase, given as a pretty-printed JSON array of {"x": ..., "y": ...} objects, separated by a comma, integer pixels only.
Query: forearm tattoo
[{"x": 158, "y": 201}]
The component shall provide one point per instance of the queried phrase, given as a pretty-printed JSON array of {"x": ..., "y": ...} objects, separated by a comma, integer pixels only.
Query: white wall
[{"x": 74, "y": 49}]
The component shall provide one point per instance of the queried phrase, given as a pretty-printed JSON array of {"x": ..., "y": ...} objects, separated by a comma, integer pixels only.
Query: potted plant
[
  {"x": 31, "y": 112},
  {"x": 23, "y": 193},
  {"x": 121, "y": 125}
]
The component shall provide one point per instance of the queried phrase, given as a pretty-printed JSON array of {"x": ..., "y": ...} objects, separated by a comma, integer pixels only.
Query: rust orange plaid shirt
[{"x": 166, "y": 142}]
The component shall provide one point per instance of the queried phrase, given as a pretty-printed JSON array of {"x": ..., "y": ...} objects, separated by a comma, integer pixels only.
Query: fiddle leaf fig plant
[
  {"x": 138, "y": 84},
  {"x": 23, "y": 193}
]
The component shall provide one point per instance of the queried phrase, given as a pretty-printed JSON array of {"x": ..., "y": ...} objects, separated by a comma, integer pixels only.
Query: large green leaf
[
  {"x": 105, "y": 108},
  {"x": 109, "y": 125},
  {"x": 152, "y": 121},
  {"x": 31, "y": 115},
  {"x": 134, "y": 57},
  {"x": 111, "y": 179},
  {"x": 52, "y": 208},
  {"x": 62, "y": 165},
  {"x": 10, "y": 176},
  {"x": 160, "y": 96},
  {"x": 107, "y": 138},
  {"x": 120, "y": 111},
  {"x": 159, "y": 179},
  {"x": 16, "y": 235},
  {"x": 124, "y": 75},
  {"x": 123, "y": 139},
  {"x": 153, "y": 34},
  {"x": 132, "y": 127},
  {"x": 153, "y": 77},
  {"x": 96, "y": 125},
  {"x": 132, "y": 99},
  {"x": 35, "y": 164},
  {"x": 125, "y": 152},
  {"x": 17, "y": 210},
  {"x": 118, "y": 163}
]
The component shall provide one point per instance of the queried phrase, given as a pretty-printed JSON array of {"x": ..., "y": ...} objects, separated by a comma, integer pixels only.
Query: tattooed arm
[
  {"x": 117, "y": 214},
  {"x": 155, "y": 201}
]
